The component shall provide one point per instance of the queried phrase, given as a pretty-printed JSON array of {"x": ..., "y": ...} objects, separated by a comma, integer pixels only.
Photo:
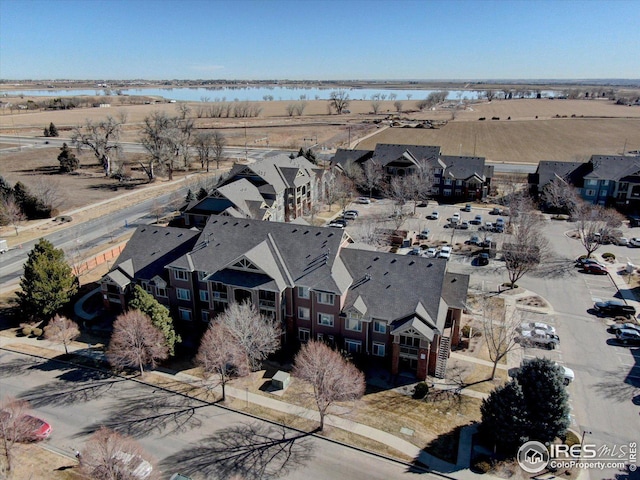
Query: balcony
[
  {"x": 410, "y": 352},
  {"x": 267, "y": 304}
]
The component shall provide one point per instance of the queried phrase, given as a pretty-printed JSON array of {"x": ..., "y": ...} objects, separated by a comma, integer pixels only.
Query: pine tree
[
  {"x": 48, "y": 282},
  {"x": 301, "y": 152},
  {"x": 546, "y": 397},
  {"x": 503, "y": 417},
  {"x": 68, "y": 161},
  {"x": 159, "y": 314},
  {"x": 202, "y": 193},
  {"x": 309, "y": 155},
  {"x": 5, "y": 188},
  {"x": 53, "y": 131}
]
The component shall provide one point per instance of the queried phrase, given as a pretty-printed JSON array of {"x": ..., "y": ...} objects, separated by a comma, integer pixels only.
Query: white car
[
  {"x": 431, "y": 252},
  {"x": 445, "y": 252},
  {"x": 364, "y": 200},
  {"x": 634, "y": 242},
  {"x": 538, "y": 338},
  {"x": 433, "y": 216},
  {"x": 538, "y": 326}
]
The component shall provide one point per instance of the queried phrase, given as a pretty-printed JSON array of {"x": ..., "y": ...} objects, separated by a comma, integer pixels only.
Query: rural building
[
  {"x": 279, "y": 189},
  {"x": 612, "y": 180},
  {"x": 401, "y": 312},
  {"x": 454, "y": 178}
]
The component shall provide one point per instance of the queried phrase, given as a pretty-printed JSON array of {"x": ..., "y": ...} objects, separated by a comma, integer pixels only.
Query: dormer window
[{"x": 180, "y": 275}]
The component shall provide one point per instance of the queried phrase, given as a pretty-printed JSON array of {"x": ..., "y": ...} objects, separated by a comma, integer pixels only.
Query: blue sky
[{"x": 330, "y": 39}]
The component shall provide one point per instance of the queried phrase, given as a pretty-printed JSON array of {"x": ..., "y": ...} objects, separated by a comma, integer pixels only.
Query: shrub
[
  {"x": 495, "y": 118},
  {"x": 27, "y": 330},
  {"x": 481, "y": 464},
  {"x": 421, "y": 390},
  {"x": 482, "y": 118},
  {"x": 466, "y": 330},
  {"x": 37, "y": 332},
  {"x": 571, "y": 439},
  {"x": 608, "y": 256}
]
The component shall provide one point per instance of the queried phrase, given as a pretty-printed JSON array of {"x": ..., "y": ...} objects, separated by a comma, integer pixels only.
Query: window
[
  {"x": 379, "y": 326},
  {"x": 459, "y": 183},
  {"x": 161, "y": 292},
  {"x": 447, "y": 181},
  {"x": 325, "y": 298},
  {"x": 353, "y": 324},
  {"x": 320, "y": 337},
  {"x": 591, "y": 182},
  {"x": 202, "y": 276},
  {"x": 325, "y": 319},
  {"x": 180, "y": 275},
  {"x": 205, "y": 316},
  {"x": 378, "y": 349},
  {"x": 303, "y": 292},
  {"x": 183, "y": 294},
  {"x": 185, "y": 314},
  {"x": 446, "y": 192},
  {"x": 204, "y": 295},
  {"x": 303, "y": 334},
  {"x": 303, "y": 313},
  {"x": 590, "y": 193},
  {"x": 410, "y": 341},
  {"x": 147, "y": 288},
  {"x": 437, "y": 172},
  {"x": 352, "y": 346},
  {"x": 605, "y": 183}
]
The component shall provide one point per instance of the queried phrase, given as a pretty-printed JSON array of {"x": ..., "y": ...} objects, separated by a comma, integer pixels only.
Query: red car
[
  {"x": 37, "y": 428},
  {"x": 595, "y": 269}
]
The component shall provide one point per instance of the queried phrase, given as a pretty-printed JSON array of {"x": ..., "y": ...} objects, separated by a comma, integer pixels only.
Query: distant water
[{"x": 253, "y": 93}]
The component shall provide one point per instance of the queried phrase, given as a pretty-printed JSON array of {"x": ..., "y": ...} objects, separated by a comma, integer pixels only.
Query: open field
[
  {"x": 511, "y": 141},
  {"x": 539, "y": 129}
]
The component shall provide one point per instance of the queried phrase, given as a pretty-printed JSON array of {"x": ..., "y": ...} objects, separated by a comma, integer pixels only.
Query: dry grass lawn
[{"x": 33, "y": 461}]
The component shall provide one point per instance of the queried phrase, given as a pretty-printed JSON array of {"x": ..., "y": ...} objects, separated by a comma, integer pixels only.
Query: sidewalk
[{"x": 47, "y": 349}]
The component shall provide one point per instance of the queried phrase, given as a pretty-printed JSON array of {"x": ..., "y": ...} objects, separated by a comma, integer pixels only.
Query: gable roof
[
  {"x": 386, "y": 153},
  {"x": 343, "y": 156},
  {"x": 612, "y": 167}
]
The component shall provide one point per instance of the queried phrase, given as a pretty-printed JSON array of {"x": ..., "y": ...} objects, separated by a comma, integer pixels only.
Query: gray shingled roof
[
  {"x": 463, "y": 168},
  {"x": 393, "y": 286},
  {"x": 613, "y": 167},
  {"x": 386, "y": 153},
  {"x": 151, "y": 248},
  {"x": 291, "y": 254},
  {"x": 343, "y": 156}
]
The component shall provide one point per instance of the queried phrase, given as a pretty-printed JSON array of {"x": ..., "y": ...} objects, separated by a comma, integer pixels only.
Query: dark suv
[{"x": 615, "y": 308}]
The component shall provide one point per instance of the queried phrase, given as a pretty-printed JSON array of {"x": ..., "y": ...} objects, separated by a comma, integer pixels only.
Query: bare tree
[
  {"x": 166, "y": 140},
  {"x": 101, "y": 138},
  {"x": 10, "y": 212},
  {"x": 135, "y": 342},
  {"x": 332, "y": 378},
  {"x": 398, "y": 106},
  {"x": 594, "y": 223},
  {"x": 373, "y": 174},
  {"x": 500, "y": 331},
  {"x": 221, "y": 357},
  {"x": 62, "y": 330},
  {"x": 339, "y": 101},
  {"x": 522, "y": 254},
  {"x": 375, "y": 106},
  {"x": 219, "y": 144},
  {"x": 300, "y": 107},
  {"x": 183, "y": 110},
  {"x": 257, "y": 335},
  {"x": 15, "y": 427},
  {"x": 344, "y": 190},
  {"x": 48, "y": 192},
  {"x": 107, "y": 455},
  {"x": 290, "y": 109},
  {"x": 559, "y": 196},
  {"x": 353, "y": 171},
  {"x": 204, "y": 146}
]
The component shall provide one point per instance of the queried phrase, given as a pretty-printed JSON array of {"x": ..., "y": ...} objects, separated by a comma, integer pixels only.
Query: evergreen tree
[
  {"x": 301, "y": 152},
  {"x": 5, "y": 188},
  {"x": 190, "y": 196},
  {"x": 546, "y": 398},
  {"x": 309, "y": 155},
  {"x": 53, "y": 131},
  {"x": 46, "y": 132},
  {"x": 68, "y": 161},
  {"x": 503, "y": 417},
  {"x": 202, "y": 193},
  {"x": 48, "y": 282},
  {"x": 158, "y": 313},
  {"x": 29, "y": 204}
]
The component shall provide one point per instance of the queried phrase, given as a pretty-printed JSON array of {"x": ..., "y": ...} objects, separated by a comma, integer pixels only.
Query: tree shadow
[
  {"x": 15, "y": 367},
  {"x": 626, "y": 474},
  {"x": 618, "y": 387},
  {"x": 445, "y": 446},
  {"x": 73, "y": 386},
  {"x": 555, "y": 267},
  {"x": 252, "y": 451},
  {"x": 160, "y": 412}
]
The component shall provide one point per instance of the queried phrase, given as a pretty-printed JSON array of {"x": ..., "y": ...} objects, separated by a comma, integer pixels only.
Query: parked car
[
  {"x": 467, "y": 207},
  {"x": 582, "y": 262},
  {"x": 634, "y": 242},
  {"x": 474, "y": 240},
  {"x": 614, "y": 308},
  {"x": 445, "y": 252},
  {"x": 500, "y": 222},
  {"x": 477, "y": 220},
  {"x": 619, "y": 326},
  {"x": 363, "y": 200},
  {"x": 595, "y": 269},
  {"x": 3, "y": 246},
  {"x": 424, "y": 234},
  {"x": 415, "y": 251},
  {"x": 431, "y": 252},
  {"x": 463, "y": 225},
  {"x": 455, "y": 218},
  {"x": 496, "y": 211},
  {"x": 338, "y": 223},
  {"x": 486, "y": 243},
  {"x": 433, "y": 216},
  {"x": 487, "y": 227},
  {"x": 538, "y": 338},
  {"x": 483, "y": 259},
  {"x": 621, "y": 241},
  {"x": 350, "y": 216},
  {"x": 628, "y": 336},
  {"x": 537, "y": 326},
  {"x": 38, "y": 429}
]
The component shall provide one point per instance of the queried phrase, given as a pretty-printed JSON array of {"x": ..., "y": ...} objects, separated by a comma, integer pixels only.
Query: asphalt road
[{"x": 185, "y": 435}]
